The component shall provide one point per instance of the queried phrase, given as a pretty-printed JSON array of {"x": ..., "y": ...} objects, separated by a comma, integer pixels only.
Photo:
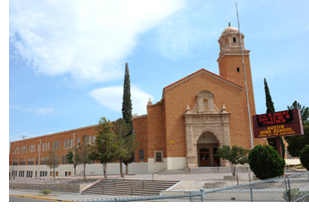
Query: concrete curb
[{"x": 41, "y": 198}]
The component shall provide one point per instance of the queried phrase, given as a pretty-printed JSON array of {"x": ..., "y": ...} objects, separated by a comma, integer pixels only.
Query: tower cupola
[
  {"x": 230, "y": 56},
  {"x": 229, "y": 42}
]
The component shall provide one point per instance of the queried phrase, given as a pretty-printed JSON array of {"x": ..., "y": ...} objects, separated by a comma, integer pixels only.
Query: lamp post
[{"x": 39, "y": 160}]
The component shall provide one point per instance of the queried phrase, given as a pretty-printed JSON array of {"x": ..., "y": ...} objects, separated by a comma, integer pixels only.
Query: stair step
[{"x": 123, "y": 187}]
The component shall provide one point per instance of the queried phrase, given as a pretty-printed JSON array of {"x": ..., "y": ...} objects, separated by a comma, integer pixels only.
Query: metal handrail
[
  {"x": 112, "y": 181},
  {"x": 145, "y": 179}
]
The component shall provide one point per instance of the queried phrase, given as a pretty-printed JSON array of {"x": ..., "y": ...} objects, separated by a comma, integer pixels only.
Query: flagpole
[{"x": 243, "y": 64}]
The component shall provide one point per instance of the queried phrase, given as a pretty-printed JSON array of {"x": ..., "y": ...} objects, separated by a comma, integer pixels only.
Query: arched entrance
[{"x": 207, "y": 145}]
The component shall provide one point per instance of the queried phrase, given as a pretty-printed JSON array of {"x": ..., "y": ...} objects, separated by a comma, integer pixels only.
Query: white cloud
[
  {"x": 38, "y": 111},
  {"x": 88, "y": 39},
  {"x": 111, "y": 97}
]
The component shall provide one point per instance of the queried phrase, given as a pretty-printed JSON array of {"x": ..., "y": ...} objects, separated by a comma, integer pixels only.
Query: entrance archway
[{"x": 207, "y": 145}]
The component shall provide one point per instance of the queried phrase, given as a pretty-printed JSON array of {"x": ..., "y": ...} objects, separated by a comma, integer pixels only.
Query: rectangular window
[
  {"x": 78, "y": 142},
  {"x": 158, "y": 156},
  {"x": 68, "y": 143},
  {"x": 71, "y": 143},
  {"x": 15, "y": 162},
  {"x": 30, "y": 161},
  {"x": 89, "y": 141},
  {"x": 93, "y": 139},
  {"x": 141, "y": 155},
  {"x": 59, "y": 144},
  {"x": 22, "y": 161}
]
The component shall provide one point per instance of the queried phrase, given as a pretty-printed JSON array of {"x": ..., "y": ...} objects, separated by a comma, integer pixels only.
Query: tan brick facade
[
  {"x": 166, "y": 122},
  {"x": 196, "y": 115}
]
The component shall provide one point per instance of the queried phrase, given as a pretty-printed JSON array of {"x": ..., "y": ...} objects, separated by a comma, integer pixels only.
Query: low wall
[{"x": 77, "y": 188}]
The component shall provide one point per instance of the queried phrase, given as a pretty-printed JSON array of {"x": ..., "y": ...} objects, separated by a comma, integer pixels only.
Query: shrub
[
  {"x": 294, "y": 194},
  {"x": 265, "y": 162},
  {"x": 236, "y": 155},
  {"x": 304, "y": 157},
  {"x": 45, "y": 192}
]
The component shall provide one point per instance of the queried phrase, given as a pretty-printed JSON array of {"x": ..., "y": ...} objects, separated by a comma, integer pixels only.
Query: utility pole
[{"x": 243, "y": 64}]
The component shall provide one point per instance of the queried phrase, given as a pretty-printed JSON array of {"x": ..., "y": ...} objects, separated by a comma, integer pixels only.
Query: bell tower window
[{"x": 234, "y": 39}]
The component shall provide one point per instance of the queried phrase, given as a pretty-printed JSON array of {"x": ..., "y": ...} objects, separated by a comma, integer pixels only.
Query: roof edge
[{"x": 206, "y": 71}]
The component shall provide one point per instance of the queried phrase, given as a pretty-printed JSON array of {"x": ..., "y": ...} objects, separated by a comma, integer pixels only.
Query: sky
[{"x": 66, "y": 59}]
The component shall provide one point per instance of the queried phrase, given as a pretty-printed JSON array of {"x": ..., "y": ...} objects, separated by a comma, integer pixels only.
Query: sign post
[{"x": 277, "y": 124}]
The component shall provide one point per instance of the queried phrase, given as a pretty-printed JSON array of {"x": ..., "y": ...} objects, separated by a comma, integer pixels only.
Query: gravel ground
[{"x": 53, "y": 180}]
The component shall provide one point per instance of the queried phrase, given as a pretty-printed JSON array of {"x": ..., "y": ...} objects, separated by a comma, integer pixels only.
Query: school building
[{"x": 195, "y": 116}]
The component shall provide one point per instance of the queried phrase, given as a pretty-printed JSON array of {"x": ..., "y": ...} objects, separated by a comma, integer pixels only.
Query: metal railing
[
  {"x": 112, "y": 181},
  {"x": 143, "y": 180},
  {"x": 293, "y": 188}
]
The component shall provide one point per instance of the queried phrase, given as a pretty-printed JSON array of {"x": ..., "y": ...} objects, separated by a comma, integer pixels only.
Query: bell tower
[
  {"x": 233, "y": 61},
  {"x": 230, "y": 59}
]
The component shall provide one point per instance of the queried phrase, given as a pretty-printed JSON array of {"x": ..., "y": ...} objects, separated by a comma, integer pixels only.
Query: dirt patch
[{"x": 48, "y": 180}]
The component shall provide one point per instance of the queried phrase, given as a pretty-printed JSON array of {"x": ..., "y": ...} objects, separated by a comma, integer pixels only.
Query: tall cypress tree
[
  {"x": 126, "y": 102},
  {"x": 270, "y": 108},
  {"x": 127, "y": 116},
  {"x": 269, "y": 103}
]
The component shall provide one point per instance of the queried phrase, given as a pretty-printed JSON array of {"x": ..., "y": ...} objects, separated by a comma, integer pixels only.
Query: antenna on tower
[
  {"x": 243, "y": 64},
  {"x": 24, "y": 136}
]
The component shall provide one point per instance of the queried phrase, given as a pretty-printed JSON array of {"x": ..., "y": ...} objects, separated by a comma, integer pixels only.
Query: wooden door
[{"x": 204, "y": 157}]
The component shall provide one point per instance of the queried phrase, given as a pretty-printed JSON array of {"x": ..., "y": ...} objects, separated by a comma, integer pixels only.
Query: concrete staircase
[{"x": 129, "y": 187}]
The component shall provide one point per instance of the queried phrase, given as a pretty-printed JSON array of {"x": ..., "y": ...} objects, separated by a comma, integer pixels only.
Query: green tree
[
  {"x": 304, "y": 111},
  {"x": 83, "y": 152},
  {"x": 236, "y": 155},
  {"x": 127, "y": 116},
  {"x": 126, "y": 100},
  {"x": 53, "y": 160},
  {"x": 298, "y": 142},
  {"x": 125, "y": 143},
  {"x": 72, "y": 158},
  {"x": 265, "y": 162},
  {"x": 105, "y": 150},
  {"x": 304, "y": 157},
  {"x": 270, "y": 108}
]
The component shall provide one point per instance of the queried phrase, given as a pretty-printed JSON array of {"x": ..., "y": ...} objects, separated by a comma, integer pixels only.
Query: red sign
[{"x": 276, "y": 124}]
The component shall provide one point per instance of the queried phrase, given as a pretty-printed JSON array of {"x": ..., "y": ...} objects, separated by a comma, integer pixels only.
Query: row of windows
[
  {"x": 68, "y": 143},
  {"x": 158, "y": 158},
  {"x": 30, "y": 174}
]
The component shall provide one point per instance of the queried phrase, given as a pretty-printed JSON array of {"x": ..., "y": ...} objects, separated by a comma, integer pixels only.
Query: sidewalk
[
  {"x": 58, "y": 196},
  {"x": 190, "y": 182}
]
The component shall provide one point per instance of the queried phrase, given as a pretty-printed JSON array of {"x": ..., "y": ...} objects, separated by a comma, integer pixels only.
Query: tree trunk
[
  {"x": 127, "y": 169},
  {"x": 104, "y": 170},
  {"x": 233, "y": 168},
  {"x": 120, "y": 163},
  {"x": 74, "y": 170},
  {"x": 84, "y": 171}
]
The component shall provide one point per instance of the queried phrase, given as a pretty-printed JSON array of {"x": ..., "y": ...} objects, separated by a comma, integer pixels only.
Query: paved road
[{"x": 21, "y": 199}]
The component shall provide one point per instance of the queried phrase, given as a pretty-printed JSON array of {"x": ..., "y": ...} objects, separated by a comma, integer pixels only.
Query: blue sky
[{"x": 67, "y": 58}]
